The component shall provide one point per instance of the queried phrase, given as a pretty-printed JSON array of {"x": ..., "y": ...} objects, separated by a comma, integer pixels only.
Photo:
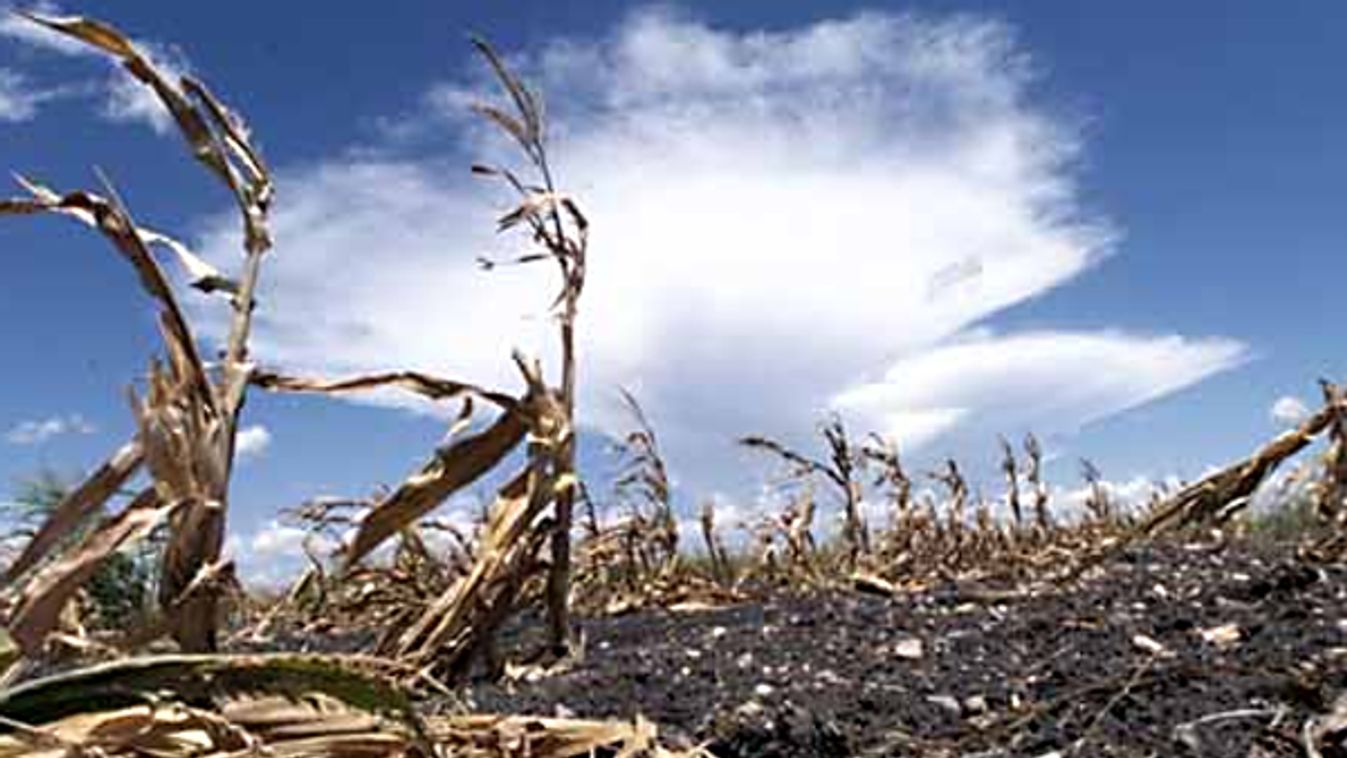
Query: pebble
[
  {"x": 945, "y": 701},
  {"x": 910, "y": 648}
]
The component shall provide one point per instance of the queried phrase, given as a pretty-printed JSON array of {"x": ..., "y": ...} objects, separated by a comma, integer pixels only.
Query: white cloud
[
  {"x": 1133, "y": 494},
  {"x": 18, "y": 101},
  {"x": 777, "y": 217},
  {"x": 1289, "y": 410},
  {"x": 124, "y": 99},
  {"x": 252, "y": 441},
  {"x": 1050, "y": 382},
  {"x": 39, "y": 431},
  {"x": 274, "y": 553}
]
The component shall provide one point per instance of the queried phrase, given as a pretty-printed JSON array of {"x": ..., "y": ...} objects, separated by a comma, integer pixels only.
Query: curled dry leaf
[
  {"x": 461, "y": 463},
  {"x": 426, "y": 385},
  {"x": 201, "y": 274},
  {"x": 217, "y": 137},
  {"x": 77, "y": 506},
  {"x": 47, "y": 593},
  {"x": 275, "y": 704}
]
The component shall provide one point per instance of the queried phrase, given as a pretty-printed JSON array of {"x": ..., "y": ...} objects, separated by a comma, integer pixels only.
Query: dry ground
[{"x": 942, "y": 673}]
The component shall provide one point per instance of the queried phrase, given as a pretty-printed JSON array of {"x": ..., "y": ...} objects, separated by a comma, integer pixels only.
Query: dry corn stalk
[
  {"x": 188, "y": 421},
  {"x": 1205, "y": 498},
  {"x": 715, "y": 550},
  {"x": 1034, "y": 475},
  {"x": 841, "y": 470},
  {"x": 1332, "y": 494},
  {"x": 1097, "y": 501},
  {"x": 561, "y": 232},
  {"x": 1011, "y": 470},
  {"x": 466, "y": 616},
  {"x": 643, "y": 487}
]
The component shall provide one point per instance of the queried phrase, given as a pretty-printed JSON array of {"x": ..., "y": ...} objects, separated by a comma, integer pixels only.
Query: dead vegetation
[{"x": 418, "y": 604}]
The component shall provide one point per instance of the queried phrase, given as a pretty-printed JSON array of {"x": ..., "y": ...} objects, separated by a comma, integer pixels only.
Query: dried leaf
[
  {"x": 43, "y": 598},
  {"x": 291, "y": 704},
  {"x": 214, "y": 150},
  {"x": 77, "y": 506},
  {"x": 203, "y": 276},
  {"x": 458, "y": 465},
  {"x": 431, "y": 387}
]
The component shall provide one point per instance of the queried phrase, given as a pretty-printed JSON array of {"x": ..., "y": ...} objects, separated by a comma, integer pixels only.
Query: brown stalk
[
  {"x": 715, "y": 551},
  {"x": 188, "y": 422},
  {"x": 841, "y": 470},
  {"x": 1012, "y": 473},
  {"x": 562, "y": 232},
  {"x": 1034, "y": 475},
  {"x": 1097, "y": 502},
  {"x": 643, "y": 485}
]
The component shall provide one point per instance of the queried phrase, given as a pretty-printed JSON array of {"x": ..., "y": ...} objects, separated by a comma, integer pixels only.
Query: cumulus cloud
[
  {"x": 1289, "y": 410},
  {"x": 779, "y": 217},
  {"x": 123, "y": 98},
  {"x": 252, "y": 441},
  {"x": 1054, "y": 381},
  {"x": 39, "y": 431}
]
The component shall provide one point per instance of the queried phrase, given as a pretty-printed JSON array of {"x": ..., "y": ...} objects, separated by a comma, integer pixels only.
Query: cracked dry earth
[{"x": 1166, "y": 651}]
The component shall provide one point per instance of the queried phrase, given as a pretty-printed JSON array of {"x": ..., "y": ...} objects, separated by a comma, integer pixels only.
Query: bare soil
[{"x": 1117, "y": 665}]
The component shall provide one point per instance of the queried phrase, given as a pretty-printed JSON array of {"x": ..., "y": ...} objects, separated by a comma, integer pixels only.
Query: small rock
[
  {"x": 910, "y": 648},
  {"x": 975, "y": 704},
  {"x": 1149, "y": 644},
  {"x": 749, "y": 709},
  {"x": 948, "y": 703},
  {"x": 764, "y": 690},
  {"x": 1224, "y": 635}
]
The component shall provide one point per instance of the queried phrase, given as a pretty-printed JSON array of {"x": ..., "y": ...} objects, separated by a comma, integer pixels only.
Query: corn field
[{"x": 420, "y": 608}]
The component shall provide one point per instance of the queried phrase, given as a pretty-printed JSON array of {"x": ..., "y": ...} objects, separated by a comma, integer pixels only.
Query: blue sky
[{"x": 1118, "y": 225}]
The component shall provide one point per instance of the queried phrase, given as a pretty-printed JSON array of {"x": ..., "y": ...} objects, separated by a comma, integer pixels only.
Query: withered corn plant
[
  {"x": 642, "y": 489},
  {"x": 455, "y": 625},
  {"x": 1010, "y": 468},
  {"x": 188, "y": 415},
  {"x": 721, "y": 569},
  {"x": 1033, "y": 474},
  {"x": 841, "y": 470},
  {"x": 1098, "y": 502},
  {"x": 561, "y": 232},
  {"x": 956, "y": 511}
]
